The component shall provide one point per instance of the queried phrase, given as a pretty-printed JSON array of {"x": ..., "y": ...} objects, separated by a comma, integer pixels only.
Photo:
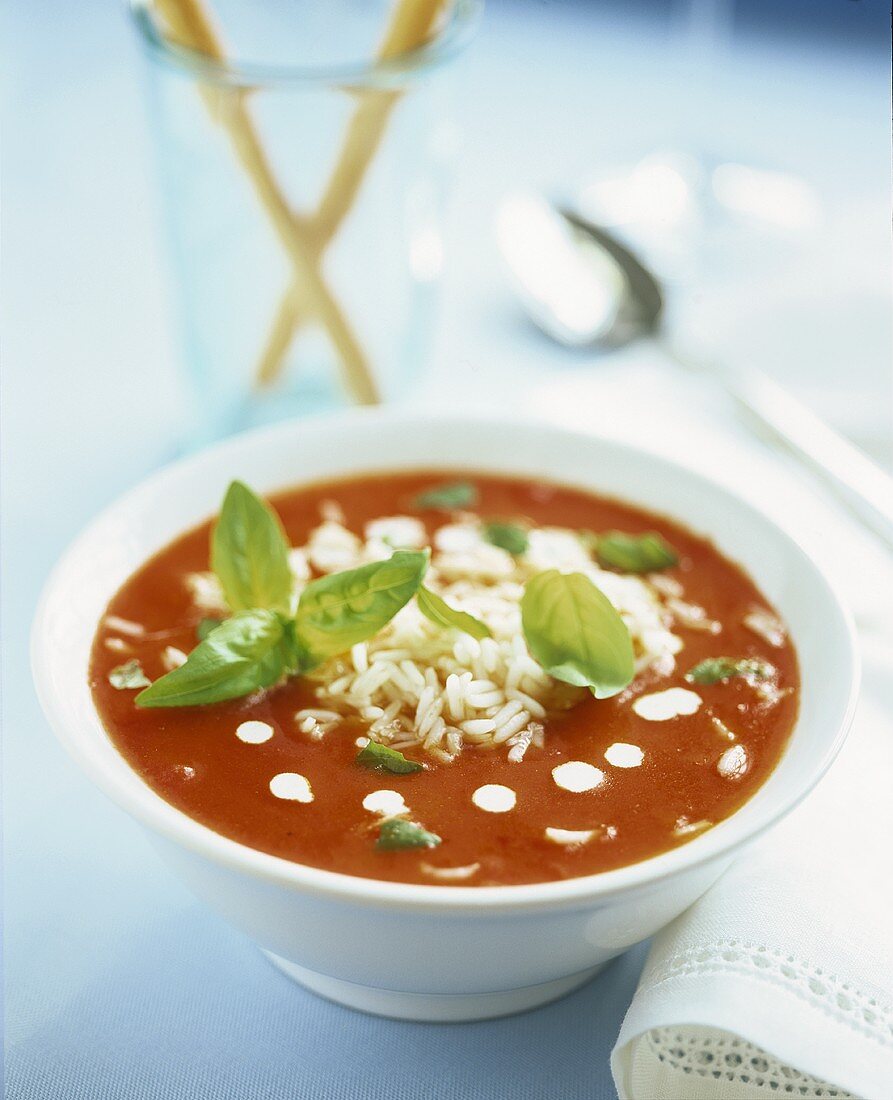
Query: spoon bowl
[{"x": 583, "y": 288}]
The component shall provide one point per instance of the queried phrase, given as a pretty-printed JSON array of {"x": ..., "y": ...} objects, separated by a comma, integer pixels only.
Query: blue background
[{"x": 118, "y": 983}]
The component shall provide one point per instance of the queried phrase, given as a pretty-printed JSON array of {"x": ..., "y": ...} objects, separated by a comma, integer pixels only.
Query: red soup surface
[{"x": 523, "y": 779}]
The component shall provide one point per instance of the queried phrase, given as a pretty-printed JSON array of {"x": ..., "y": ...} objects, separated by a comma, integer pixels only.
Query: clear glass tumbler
[{"x": 303, "y": 192}]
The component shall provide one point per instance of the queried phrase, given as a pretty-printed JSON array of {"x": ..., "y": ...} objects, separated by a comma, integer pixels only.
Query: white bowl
[{"x": 464, "y": 952}]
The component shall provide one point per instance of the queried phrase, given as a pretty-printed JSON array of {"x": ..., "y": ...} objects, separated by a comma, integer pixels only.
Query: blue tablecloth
[{"x": 119, "y": 984}]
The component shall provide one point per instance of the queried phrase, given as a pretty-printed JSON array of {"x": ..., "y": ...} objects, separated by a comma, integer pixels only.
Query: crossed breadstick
[{"x": 305, "y": 239}]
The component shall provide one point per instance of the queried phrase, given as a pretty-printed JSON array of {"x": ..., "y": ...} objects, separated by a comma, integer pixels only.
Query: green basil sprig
[
  {"x": 381, "y": 758},
  {"x": 575, "y": 633},
  {"x": 436, "y": 609},
  {"x": 634, "y": 553},
  {"x": 342, "y": 609},
  {"x": 507, "y": 536},
  {"x": 249, "y": 553},
  {"x": 252, "y": 650},
  {"x": 448, "y": 497},
  {"x": 263, "y": 642},
  {"x": 719, "y": 670},
  {"x": 397, "y": 832},
  {"x": 571, "y": 628}
]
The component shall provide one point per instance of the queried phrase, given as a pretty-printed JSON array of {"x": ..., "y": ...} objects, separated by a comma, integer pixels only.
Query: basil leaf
[
  {"x": 204, "y": 627},
  {"x": 342, "y": 609},
  {"x": 635, "y": 553},
  {"x": 249, "y": 553},
  {"x": 129, "y": 675},
  {"x": 245, "y": 653},
  {"x": 718, "y": 670},
  {"x": 507, "y": 536},
  {"x": 448, "y": 497},
  {"x": 575, "y": 633},
  {"x": 436, "y": 609},
  {"x": 395, "y": 832},
  {"x": 381, "y": 758}
]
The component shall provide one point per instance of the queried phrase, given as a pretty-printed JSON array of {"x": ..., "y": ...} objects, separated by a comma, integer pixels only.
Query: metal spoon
[{"x": 583, "y": 287}]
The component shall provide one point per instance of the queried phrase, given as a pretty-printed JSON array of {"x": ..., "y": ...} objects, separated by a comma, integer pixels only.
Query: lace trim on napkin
[
  {"x": 709, "y": 1053},
  {"x": 820, "y": 988}
]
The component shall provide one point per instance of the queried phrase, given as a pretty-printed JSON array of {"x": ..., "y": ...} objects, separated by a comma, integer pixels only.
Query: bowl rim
[{"x": 152, "y": 811}]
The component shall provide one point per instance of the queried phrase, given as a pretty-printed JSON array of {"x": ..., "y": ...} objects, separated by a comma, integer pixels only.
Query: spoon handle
[{"x": 863, "y": 486}]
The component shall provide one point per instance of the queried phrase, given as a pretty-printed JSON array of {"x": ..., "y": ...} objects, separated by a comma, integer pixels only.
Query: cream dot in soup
[
  {"x": 622, "y": 755},
  {"x": 660, "y": 706},
  {"x": 254, "y": 733},
  {"x": 733, "y": 762},
  {"x": 292, "y": 787},
  {"x": 387, "y": 803},
  {"x": 577, "y": 776},
  {"x": 494, "y": 798},
  {"x": 569, "y": 837}
]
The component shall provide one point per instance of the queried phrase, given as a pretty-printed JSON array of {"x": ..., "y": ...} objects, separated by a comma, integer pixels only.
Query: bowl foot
[{"x": 431, "y": 1007}]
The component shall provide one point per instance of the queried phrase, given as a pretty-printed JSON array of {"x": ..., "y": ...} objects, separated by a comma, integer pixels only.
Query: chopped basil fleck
[
  {"x": 448, "y": 497},
  {"x": 507, "y": 536},
  {"x": 634, "y": 553},
  {"x": 718, "y": 670},
  {"x": 396, "y": 833},
  {"x": 381, "y": 758},
  {"x": 129, "y": 675}
]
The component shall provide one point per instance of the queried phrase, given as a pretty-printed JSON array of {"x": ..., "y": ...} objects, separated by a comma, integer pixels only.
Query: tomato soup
[{"x": 457, "y": 679}]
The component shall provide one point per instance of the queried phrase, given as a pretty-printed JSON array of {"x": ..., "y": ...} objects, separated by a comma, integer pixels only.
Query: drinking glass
[{"x": 303, "y": 157}]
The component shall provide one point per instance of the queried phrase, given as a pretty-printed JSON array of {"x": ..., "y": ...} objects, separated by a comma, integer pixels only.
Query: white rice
[
  {"x": 418, "y": 685},
  {"x": 207, "y": 595}
]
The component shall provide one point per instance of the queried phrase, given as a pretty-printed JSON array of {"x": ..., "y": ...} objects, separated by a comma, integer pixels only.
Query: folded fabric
[{"x": 779, "y": 981}]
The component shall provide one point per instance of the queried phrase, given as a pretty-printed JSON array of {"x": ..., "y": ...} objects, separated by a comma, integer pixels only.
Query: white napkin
[{"x": 779, "y": 981}]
